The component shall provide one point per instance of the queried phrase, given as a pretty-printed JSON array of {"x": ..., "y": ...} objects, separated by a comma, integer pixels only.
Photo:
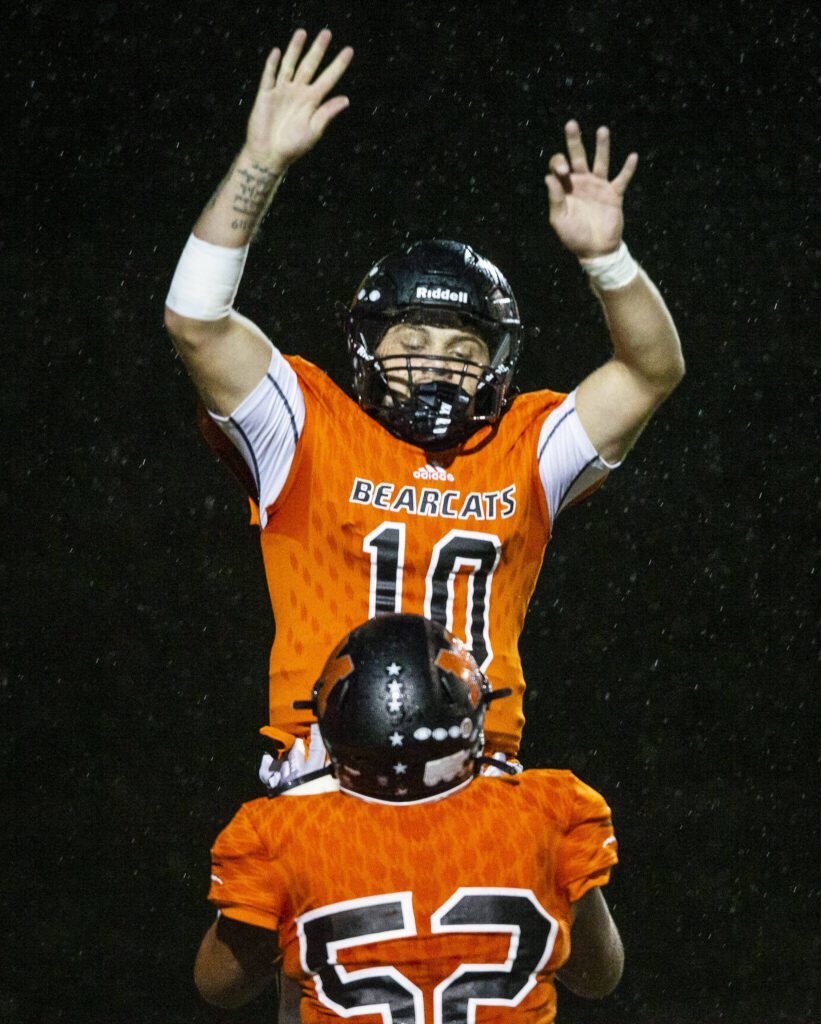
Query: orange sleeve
[
  {"x": 247, "y": 879},
  {"x": 589, "y": 848}
]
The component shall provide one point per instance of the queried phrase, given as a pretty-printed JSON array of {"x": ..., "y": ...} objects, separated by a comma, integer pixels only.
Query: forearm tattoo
[{"x": 254, "y": 191}]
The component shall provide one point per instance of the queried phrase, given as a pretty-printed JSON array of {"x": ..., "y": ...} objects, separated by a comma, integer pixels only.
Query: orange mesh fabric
[
  {"x": 529, "y": 845},
  {"x": 362, "y": 512}
]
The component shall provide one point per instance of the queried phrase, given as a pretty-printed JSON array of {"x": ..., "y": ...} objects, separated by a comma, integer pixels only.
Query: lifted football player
[
  {"x": 394, "y": 895},
  {"x": 437, "y": 490}
]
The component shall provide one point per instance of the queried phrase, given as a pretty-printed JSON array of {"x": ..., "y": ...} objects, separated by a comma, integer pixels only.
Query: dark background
[{"x": 670, "y": 647}]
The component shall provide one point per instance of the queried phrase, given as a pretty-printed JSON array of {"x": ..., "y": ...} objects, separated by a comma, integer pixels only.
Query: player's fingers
[
  {"x": 625, "y": 175},
  {"x": 301, "y": 760},
  {"x": 289, "y": 61},
  {"x": 601, "y": 161},
  {"x": 313, "y": 58},
  {"x": 555, "y": 192},
  {"x": 296, "y": 758},
  {"x": 269, "y": 72},
  {"x": 328, "y": 111},
  {"x": 317, "y": 754},
  {"x": 575, "y": 147},
  {"x": 333, "y": 72},
  {"x": 559, "y": 167},
  {"x": 268, "y": 770}
]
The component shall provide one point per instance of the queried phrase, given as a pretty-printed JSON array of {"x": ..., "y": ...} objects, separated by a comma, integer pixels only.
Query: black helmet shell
[
  {"x": 438, "y": 275},
  {"x": 401, "y": 707}
]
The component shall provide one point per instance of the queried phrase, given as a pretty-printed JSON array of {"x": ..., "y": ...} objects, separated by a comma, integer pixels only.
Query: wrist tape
[
  {"x": 206, "y": 280},
  {"x": 615, "y": 270}
]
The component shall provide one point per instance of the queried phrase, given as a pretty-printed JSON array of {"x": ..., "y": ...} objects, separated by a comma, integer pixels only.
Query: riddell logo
[{"x": 443, "y": 294}]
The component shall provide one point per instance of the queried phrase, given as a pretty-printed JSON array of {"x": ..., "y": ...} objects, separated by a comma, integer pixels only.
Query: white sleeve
[
  {"x": 569, "y": 465},
  {"x": 265, "y": 428}
]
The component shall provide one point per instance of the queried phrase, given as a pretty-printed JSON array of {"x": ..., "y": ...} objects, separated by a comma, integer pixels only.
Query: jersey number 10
[{"x": 459, "y": 549}]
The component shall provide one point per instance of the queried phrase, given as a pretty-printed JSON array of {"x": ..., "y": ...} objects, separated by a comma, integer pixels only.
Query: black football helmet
[
  {"x": 441, "y": 284},
  {"x": 401, "y": 707}
]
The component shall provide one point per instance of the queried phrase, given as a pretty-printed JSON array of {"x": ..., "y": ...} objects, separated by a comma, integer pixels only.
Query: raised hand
[
  {"x": 586, "y": 208},
  {"x": 291, "y": 111},
  {"x": 295, "y": 763}
]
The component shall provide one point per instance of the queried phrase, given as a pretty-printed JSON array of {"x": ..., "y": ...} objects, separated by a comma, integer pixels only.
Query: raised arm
[
  {"x": 617, "y": 400},
  {"x": 226, "y": 354}
]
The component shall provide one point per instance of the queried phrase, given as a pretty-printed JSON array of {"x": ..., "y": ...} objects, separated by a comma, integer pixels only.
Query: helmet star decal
[{"x": 395, "y": 691}]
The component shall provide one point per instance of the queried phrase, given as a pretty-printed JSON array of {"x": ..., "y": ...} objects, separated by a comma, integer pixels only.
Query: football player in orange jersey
[
  {"x": 392, "y": 896},
  {"x": 436, "y": 491}
]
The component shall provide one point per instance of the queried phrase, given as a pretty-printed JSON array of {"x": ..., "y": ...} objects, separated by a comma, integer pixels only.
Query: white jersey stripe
[
  {"x": 568, "y": 462},
  {"x": 587, "y": 476},
  {"x": 246, "y": 449},
  {"x": 266, "y": 427},
  {"x": 279, "y": 391}
]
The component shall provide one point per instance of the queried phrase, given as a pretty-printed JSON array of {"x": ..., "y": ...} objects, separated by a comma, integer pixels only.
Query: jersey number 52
[{"x": 384, "y": 990}]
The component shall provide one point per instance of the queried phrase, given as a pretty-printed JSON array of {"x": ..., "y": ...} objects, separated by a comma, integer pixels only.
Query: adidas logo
[{"x": 432, "y": 473}]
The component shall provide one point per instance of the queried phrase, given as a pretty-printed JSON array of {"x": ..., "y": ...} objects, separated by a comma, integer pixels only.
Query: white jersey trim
[
  {"x": 265, "y": 428},
  {"x": 408, "y": 803},
  {"x": 568, "y": 463}
]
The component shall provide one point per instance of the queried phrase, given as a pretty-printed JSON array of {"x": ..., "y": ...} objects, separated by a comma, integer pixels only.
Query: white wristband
[
  {"x": 614, "y": 270},
  {"x": 206, "y": 280}
]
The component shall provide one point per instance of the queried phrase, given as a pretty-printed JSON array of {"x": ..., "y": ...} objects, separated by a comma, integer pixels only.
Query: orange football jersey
[
  {"x": 427, "y": 908},
  {"x": 367, "y": 523}
]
